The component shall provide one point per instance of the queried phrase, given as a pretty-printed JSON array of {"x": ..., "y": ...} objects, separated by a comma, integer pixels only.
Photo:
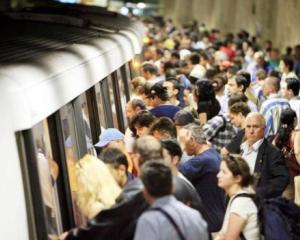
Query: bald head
[{"x": 271, "y": 85}]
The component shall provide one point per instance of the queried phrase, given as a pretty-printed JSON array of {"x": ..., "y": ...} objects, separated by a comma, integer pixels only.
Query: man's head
[
  {"x": 238, "y": 112},
  {"x": 141, "y": 122},
  {"x": 163, "y": 128},
  {"x": 194, "y": 139},
  {"x": 157, "y": 94},
  {"x": 149, "y": 70},
  {"x": 237, "y": 85},
  {"x": 156, "y": 176},
  {"x": 146, "y": 148},
  {"x": 133, "y": 107},
  {"x": 290, "y": 88},
  {"x": 271, "y": 86},
  {"x": 172, "y": 88},
  {"x": 171, "y": 151},
  {"x": 254, "y": 127}
]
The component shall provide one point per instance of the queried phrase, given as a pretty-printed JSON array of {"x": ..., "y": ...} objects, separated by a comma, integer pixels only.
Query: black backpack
[{"x": 279, "y": 218}]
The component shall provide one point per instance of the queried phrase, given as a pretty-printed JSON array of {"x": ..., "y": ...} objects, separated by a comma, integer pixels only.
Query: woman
[
  {"x": 285, "y": 140},
  {"x": 208, "y": 105},
  {"x": 241, "y": 213},
  {"x": 97, "y": 189}
]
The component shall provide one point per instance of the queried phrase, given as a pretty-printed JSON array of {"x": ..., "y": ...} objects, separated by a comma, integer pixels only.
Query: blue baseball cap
[{"x": 108, "y": 135}]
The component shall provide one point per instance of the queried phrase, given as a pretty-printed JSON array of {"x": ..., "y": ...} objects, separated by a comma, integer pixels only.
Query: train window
[
  {"x": 72, "y": 154},
  {"x": 48, "y": 172},
  {"x": 100, "y": 106},
  {"x": 86, "y": 125},
  {"x": 124, "y": 95},
  {"x": 112, "y": 101}
]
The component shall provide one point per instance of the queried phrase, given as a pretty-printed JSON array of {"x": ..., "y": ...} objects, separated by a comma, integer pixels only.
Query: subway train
[{"x": 64, "y": 75}]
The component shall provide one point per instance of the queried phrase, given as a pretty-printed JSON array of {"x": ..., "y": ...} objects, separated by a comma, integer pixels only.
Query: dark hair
[
  {"x": 237, "y": 98},
  {"x": 246, "y": 75},
  {"x": 114, "y": 156},
  {"x": 242, "y": 81},
  {"x": 156, "y": 176},
  {"x": 275, "y": 73},
  {"x": 143, "y": 118},
  {"x": 293, "y": 84},
  {"x": 172, "y": 146},
  {"x": 158, "y": 90},
  {"x": 204, "y": 91},
  {"x": 238, "y": 166},
  {"x": 165, "y": 126},
  {"x": 149, "y": 67},
  {"x": 289, "y": 62},
  {"x": 240, "y": 107},
  {"x": 287, "y": 119},
  {"x": 195, "y": 58}
]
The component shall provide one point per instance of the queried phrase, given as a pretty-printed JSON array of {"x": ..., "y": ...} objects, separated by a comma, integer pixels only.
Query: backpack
[{"x": 279, "y": 218}]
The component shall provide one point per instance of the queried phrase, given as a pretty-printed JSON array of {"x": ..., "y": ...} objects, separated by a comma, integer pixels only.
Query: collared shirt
[
  {"x": 154, "y": 225},
  {"x": 250, "y": 153}
]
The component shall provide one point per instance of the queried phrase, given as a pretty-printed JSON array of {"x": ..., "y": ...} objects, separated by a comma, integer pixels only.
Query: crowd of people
[{"x": 211, "y": 116}]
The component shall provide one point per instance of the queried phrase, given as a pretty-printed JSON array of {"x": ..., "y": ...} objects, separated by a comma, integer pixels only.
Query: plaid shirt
[{"x": 217, "y": 136}]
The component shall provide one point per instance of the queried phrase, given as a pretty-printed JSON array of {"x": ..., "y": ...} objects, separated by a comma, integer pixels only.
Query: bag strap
[{"x": 171, "y": 220}]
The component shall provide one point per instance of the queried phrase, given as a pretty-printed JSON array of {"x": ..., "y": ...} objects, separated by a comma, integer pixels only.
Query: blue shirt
[
  {"x": 153, "y": 225},
  {"x": 202, "y": 172},
  {"x": 165, "y": 111}
]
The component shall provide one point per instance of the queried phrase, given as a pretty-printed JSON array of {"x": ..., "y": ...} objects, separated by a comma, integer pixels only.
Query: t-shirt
[
  {"x": 165, "y": 111},
  {"x": 246, "y": 209}
]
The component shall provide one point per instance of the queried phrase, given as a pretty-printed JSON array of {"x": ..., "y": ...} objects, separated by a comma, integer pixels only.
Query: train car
[{"x": 64, "y": 73}]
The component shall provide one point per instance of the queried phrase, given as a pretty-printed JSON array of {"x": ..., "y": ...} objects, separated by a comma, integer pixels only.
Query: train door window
[
  {"x": 87, "y": 125},
  {"x": 112, "y": 101},
  {"x": 123, "y": 89},
  {"x": 72, "y": 155},
  {"x": 48, "y": 172},
  {"x": 101, "y": 107}
]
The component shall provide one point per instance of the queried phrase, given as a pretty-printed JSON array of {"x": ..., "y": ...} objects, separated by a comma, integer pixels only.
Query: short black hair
[
  {"x": 158, "y": 90},
  {"x": 143, "y": 118},
  {"x": 241, "y": 81},
  {"x": 172, "y": 146},
  {"x": 156, "y": 176},
  {"x": 164, "y": 125},
  {"x": 114, "y": 156},
  {"x": 293, "y": 84}
]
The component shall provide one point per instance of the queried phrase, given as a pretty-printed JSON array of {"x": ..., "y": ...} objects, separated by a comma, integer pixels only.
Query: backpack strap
[{"x": 171, "y": 220}]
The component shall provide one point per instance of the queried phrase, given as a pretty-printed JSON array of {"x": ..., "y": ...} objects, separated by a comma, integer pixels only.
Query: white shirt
[
  {"x": 247, "y": 210},
  {"x": 250, "y": 153}
]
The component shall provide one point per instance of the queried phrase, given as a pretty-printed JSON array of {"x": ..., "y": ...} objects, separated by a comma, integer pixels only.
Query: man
[
  {"x": 272, "y": 107},
  {"x": 141, "y": 122},
  {"x": 112, "y": 137},
  {"x": 163, "y": 128},
  {"x": 149, "y": 72},
  {"x": 238, "y": 113},
  {"x": 290, "y": 91},
  {"x": 167, "y": 218},
  {"x": 133, "y": 107},
  {"x": 159, "y": 100},
  {"x": 265, "y": 160},
  {"x": 202, "y": 170},
  {"x": 173, "y": 88}
]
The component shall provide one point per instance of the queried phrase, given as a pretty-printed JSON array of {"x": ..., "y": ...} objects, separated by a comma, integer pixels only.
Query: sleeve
[
  {"x": 243, "y": 206},
  {"x": 277, "y": 178},
  {"x": 145, "y": 229},
  {"x": 191, "y": 169},
  {"x": 212, "y": 126}
]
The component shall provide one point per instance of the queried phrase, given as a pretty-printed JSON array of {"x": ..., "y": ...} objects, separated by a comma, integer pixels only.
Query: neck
[
  {"x": 233, "y": 190},
  {"x": 202, "y": 148}
]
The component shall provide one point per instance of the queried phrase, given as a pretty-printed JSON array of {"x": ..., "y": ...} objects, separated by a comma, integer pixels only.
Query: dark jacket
[
  {"x": 270, "y": 172},
  {"x": 119, "y": 222}
]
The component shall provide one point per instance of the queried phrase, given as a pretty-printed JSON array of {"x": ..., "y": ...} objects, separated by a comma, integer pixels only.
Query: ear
[
  {"x": 175, "y": 160},
  {"x": 238, "y": 179}
]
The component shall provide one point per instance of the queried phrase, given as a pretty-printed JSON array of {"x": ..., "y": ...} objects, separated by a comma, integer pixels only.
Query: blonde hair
[{"x": 97, "y": 189}]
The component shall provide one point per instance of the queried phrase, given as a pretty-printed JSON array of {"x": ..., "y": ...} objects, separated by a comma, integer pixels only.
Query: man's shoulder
[{"x": 269, "y": 148}]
